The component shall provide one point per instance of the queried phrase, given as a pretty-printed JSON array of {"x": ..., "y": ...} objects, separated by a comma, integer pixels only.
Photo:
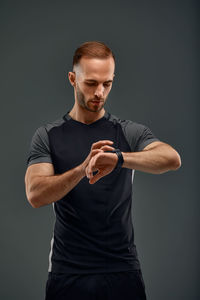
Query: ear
[{"x": 72, "y": 78}]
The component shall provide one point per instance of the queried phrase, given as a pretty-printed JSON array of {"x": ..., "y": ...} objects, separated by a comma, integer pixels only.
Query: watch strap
[{"x": 120, "y": 158}]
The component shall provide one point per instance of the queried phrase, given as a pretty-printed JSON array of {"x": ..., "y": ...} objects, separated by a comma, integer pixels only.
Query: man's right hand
[{"x": 96, "y": 148}]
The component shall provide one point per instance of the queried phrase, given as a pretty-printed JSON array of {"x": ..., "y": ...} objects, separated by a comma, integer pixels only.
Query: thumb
[{"x": 97, "y": 176}]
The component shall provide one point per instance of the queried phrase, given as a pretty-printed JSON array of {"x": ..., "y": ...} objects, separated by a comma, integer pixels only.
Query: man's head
[{"x": 92, "y": 76}]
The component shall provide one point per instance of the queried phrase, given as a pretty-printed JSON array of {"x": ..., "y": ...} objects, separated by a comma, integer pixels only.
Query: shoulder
[
  {"x": 128, "y": 125},
  {"x": 43, "y": 130},
  {"x": 50, "y": 125},
  {"x": 39, "y": 148},
  {"x": 137, "y": 135}
]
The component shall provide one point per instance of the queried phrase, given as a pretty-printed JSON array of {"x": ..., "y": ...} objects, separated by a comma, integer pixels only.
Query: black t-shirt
[{"x": 93, "y": 230}]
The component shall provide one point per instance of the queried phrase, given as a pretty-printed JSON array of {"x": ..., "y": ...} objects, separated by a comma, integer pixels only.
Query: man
[{"x": 84, "y": 164}]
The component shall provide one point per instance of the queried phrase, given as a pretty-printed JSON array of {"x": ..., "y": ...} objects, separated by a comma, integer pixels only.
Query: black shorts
[{"x": 128, "y": 285}]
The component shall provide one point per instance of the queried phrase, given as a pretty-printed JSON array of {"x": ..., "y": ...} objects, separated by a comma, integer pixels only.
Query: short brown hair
[{"x": 93, "y": 49}]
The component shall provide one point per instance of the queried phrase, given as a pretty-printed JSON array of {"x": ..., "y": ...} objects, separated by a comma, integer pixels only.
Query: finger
[
  {"x": 93, "y": 153},
  {"x": 96, "y": 177},
  {"x": 107, "y": 148},
  {"x": 91, "y": 175},
  {"x": 88, "y": 173},
  {"x": 91, "y": 165},
  {"x": 90, "y": 168},
  {"x": 96, "y": 151},
  {"x": 99, "y": 144}
]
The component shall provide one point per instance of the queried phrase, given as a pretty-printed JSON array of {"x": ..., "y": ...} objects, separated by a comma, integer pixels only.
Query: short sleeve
[
  {"x": 39, "y": 150},
  {"x": 138, "y": 136}
]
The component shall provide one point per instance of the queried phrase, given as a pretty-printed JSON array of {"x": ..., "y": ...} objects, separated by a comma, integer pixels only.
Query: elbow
[
  {"x": 32, "y": 194},
  {"x": 175, "y": 161},
  {"x": 33, "y": 200},
  {"x": 172, "y": 163}
]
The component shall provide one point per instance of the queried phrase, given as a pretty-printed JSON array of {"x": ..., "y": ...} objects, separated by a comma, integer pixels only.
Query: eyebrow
[{"x": 92, "y": 80}]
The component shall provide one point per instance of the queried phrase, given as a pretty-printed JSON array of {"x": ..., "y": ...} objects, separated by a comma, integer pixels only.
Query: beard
[{"x": 86, "y": 103}]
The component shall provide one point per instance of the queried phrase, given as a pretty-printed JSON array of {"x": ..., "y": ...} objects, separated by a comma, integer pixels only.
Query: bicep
[{"x": 153, "y": 145}]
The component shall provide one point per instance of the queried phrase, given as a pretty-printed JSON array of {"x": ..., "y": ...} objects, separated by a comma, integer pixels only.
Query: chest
[{"x": 70, "y": 145}]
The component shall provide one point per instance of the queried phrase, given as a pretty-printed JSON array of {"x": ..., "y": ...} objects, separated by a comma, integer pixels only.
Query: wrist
[
  {"x": 120, "y": 160},
  {"x": 124, "y": 157},
  {"x": 82, "y": 168}
]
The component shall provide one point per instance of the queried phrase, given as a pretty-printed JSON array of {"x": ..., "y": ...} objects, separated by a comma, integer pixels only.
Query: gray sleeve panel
[
  {"x": 138, "y": 136},
  {"x": 39, "y": 149}
]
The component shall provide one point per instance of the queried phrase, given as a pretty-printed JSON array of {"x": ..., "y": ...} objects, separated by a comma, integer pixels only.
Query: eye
[
  {"x": 107, "y": 84},
  {"x": 90, "y": 83}
]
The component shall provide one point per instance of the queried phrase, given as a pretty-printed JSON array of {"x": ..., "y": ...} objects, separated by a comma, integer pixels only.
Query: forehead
[{"x": 95, "y": 67}]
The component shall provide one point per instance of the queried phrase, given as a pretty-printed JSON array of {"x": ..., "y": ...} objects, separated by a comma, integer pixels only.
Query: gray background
[{"x": 156, "y": 83}]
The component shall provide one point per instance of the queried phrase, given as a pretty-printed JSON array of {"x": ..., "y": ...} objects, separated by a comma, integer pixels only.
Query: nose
[{"x": 99, "y": 91}]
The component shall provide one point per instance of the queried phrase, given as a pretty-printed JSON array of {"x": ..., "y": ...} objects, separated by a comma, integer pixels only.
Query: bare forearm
[
  {"x": 156, "y": 160},
  {"x": 47, "y": 189}
]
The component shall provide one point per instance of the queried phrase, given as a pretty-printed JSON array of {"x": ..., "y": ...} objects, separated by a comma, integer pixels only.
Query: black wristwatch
[{"x": 120, "y": 158}]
